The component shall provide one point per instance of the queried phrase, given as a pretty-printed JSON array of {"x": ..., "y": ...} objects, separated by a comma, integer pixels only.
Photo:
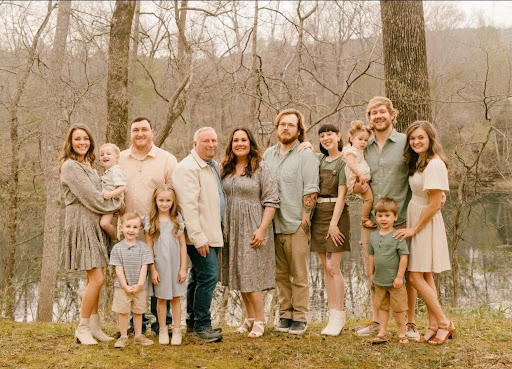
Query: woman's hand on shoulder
[
  {"x": 403, "y": 233},
  {"x": 305, "y": 145}
]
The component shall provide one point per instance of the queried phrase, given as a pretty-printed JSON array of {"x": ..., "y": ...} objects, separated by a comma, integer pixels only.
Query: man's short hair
[
  {"x": 141, "y": 119},
  {"x": 381, "y": 100},
  {"x": 129, "y": 216},
  {"x": 385, "y": 204},
  {"x": 202, "y": 129}
]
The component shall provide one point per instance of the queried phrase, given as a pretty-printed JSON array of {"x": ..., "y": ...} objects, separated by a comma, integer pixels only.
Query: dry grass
[{"x": 484, "y": 341}]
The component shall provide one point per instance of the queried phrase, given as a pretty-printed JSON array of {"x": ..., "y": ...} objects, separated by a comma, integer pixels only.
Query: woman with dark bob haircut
[
  {"x": 248, "y": 260},
  {"x": 330, "y": 225}
]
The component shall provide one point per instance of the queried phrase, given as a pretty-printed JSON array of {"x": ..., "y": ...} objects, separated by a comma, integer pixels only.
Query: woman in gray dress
[
  {"x": 84, "y": 244},
  {"x": 252, "y": 198}
]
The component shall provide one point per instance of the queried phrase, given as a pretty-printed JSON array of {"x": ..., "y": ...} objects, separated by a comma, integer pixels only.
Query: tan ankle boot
[
  {"x": 176, "y": 337},
  {"x": 96, "y": 331},
  {"x": 163, "y": 335},
  {"x": 83, "y": 333}
]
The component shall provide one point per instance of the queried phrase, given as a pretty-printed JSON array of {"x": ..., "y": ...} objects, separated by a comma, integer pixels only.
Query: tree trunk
[
  {"x": 405, "y": 60},
  {"x": 133, "y": 56},
  {"x": 49, "y": 152},
  {"x": 255, "y": 76},
  {"x": 8, "y": 285},
  {"x": 117, "y": 79}
]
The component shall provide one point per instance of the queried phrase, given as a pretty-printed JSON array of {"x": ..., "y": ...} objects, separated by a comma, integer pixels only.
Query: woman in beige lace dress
[{"x": 84, "y": 244}]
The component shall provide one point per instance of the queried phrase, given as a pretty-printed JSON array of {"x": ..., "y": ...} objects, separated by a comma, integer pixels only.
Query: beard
[
  {"x": 288, "y": 139},
  {"x": 382, "y": 129}
]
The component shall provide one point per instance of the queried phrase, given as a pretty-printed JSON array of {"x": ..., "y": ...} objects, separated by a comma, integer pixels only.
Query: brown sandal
[
  {"x": 443, "y": 334},
  {"x": 403, "y": 341},
  {"x": 378, "y": 340},
  {"x": 430, "y": 333}
]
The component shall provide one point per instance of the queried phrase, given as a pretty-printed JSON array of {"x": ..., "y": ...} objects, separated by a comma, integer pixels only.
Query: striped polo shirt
[{"x": 131, "y": 258}]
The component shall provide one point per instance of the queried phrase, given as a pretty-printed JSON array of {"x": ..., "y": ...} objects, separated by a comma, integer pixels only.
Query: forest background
[{"x": 187, "y": 64}]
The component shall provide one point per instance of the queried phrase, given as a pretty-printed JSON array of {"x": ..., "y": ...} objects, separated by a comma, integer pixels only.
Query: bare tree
[
  {"x": 49, "y": 151},
  {"x": 117, "y": 80},
  {"x": 405, "y": 60},
  {"x": 8, "y": 289}
]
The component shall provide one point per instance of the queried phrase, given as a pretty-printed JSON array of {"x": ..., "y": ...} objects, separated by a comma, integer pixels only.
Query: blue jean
[
  {"x": 155, "y": 326},
  {"x": 201, "y": 284}
]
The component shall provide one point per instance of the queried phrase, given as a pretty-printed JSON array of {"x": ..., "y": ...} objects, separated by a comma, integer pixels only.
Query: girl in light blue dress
[{"x": 166, "y": 239}]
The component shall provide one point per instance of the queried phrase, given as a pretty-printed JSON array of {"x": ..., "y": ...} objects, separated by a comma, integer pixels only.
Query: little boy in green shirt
[{"x": 387, "y": 261}]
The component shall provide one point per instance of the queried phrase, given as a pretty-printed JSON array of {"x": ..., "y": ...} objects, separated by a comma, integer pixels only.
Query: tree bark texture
[
  {"x": 117, "y": 79},
  {"x": 8, "y": 286},
  {"x": 255, "y": 75},
  {"x": 405, "y": 60},
  {"x": 49, "y": 151},
  {"x": 133, "y": 55}
]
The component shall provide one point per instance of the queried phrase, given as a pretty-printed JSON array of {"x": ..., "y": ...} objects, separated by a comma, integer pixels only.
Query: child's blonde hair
[
  {"x": 154, "y": 223},
  {"x": 129, "y": 216},
  {"x": 385, "y": 204},
  {"x": 357, "y": 126},
  {"x": 114, "y": 146}
]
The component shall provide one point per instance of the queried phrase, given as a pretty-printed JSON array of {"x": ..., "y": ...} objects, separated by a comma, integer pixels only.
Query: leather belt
[{"x": 319, "y": 200}]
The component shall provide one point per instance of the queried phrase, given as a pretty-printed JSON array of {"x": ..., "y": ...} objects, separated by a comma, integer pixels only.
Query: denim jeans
[
  {"x": 201, "y": 284},
  {"x": 155, "y": 326}
]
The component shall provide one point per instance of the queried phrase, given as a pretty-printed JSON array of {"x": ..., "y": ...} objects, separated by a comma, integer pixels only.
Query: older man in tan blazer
[{"x": 201, "y": 200}]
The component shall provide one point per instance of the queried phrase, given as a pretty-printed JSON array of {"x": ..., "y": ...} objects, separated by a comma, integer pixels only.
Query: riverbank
[{"x": 484, "y": 341}]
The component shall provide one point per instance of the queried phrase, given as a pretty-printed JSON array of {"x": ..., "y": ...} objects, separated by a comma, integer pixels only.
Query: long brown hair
[
  {"x": 434, "y": 147},
  {"x": 154, "y": 222},
  {"x": 229, "y": 161},
  {"x": 67, "y": 151}
]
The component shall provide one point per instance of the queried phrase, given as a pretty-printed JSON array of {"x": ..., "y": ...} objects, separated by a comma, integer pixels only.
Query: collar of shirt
[
  {"x": 393, "y": 137},
  {"x": 151, "y": 152},
  {"x": 277, "y": 148},
  {"x": 200, "y": 161}
]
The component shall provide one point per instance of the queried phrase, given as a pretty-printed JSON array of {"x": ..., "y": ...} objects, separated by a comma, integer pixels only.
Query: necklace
[{"x": 140, "y": 166}]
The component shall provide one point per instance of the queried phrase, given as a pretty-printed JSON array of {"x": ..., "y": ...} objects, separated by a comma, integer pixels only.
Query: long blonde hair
[
  {"x": 154, "y": 222},
  {"x": 67, "y": 151}
]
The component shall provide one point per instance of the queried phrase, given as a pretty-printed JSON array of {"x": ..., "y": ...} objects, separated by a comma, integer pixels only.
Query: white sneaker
[
  {"x": 369, "y": 330},
  {"x": 411, "y": 332}
]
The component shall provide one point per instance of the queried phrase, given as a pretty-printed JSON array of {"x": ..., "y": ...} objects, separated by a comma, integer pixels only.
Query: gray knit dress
[{"x": 84, "y": 244}]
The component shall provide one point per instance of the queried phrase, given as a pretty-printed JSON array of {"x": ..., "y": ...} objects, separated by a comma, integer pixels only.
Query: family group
[{"x": 252, "y": 222}]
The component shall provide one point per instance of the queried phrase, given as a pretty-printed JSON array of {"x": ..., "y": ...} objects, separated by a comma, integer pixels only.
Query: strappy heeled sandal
[
  {"x": 448, "y": 332},
  {"x": 430, "y": 333},
  {"x": 246, "y": 325},
  {"x": 260, "y": 325}
]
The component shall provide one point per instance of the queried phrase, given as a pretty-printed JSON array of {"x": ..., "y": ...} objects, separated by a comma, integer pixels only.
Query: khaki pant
[{"x": 292, "y": 253}]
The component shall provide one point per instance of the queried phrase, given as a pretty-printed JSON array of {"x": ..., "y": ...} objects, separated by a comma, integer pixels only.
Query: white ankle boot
[
  {"x": 83, "y": 333},
  {"x": 96, "y": 331},
  {"x": 176, "y": 337},
  {"x": 336, "y": 323},
  {"x": 163, "y": 335}
]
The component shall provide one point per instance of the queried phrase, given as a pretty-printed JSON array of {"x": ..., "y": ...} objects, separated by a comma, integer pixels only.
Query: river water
[{"x": 484, "y": 255}]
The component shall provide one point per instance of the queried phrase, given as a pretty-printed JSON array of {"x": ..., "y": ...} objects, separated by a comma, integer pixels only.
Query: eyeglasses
[{"x": 287, "y": 125}]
